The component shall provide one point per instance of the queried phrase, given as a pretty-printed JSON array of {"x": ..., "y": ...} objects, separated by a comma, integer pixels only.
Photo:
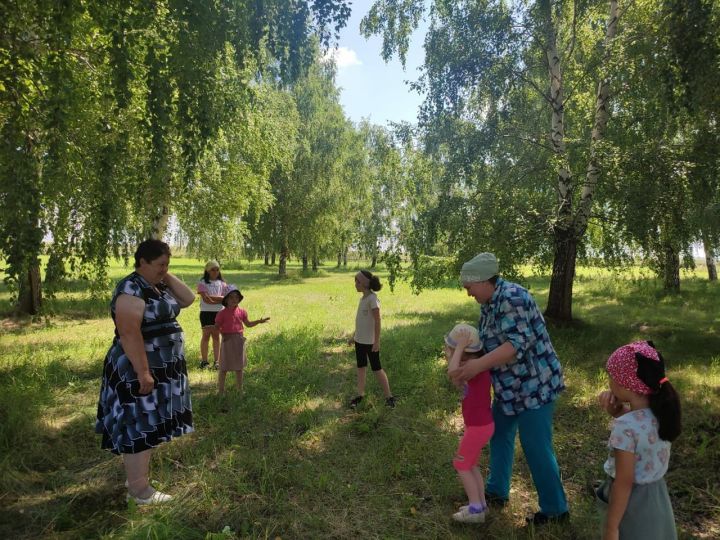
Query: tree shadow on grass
[{"x": 288, "y": 458}]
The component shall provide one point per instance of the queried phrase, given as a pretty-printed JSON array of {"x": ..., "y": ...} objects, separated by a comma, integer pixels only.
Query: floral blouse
[{"x": 637, "y": 432}]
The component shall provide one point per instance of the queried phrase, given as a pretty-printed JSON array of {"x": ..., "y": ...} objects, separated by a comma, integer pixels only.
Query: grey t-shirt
[{"x": 364, "y": 320}]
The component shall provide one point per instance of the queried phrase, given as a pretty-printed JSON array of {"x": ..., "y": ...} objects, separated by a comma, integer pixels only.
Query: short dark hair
[{"x": 150, "y": 250}]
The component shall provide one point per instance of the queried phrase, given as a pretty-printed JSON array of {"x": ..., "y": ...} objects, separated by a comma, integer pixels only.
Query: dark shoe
[
  {"x": 391, "y": 402},
  {"x": 495, "y": 500},
  {"x": 594, "y": 487},
  {"x": 539, "y": 518},
  {"x": 204, "y": 364},
  {"x": 354, "y": 402}
]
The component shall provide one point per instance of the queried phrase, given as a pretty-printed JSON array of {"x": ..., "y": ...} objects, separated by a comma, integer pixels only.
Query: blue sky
[{"x": 370, "y": 88}]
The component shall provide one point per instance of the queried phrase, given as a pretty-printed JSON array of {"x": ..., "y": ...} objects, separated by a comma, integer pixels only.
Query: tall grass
[{"x": 289, "y": 460}]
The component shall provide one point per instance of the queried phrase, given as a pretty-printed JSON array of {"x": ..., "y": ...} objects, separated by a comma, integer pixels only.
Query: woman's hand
[
  {"x": 181, "y": 292},
  {"x": 147, "y": 383}
]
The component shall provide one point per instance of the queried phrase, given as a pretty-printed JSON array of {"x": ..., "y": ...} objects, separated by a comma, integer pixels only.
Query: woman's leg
[
  {"x": 536, "y": 433},
  {"x": 137, "y": 468},
  {"x": 502, "y": 452}
]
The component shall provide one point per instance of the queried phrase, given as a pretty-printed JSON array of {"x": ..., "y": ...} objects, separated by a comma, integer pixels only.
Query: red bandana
[{"x": 622, "y": 366}]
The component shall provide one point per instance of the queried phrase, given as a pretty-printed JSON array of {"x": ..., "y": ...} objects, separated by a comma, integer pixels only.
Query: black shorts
[
  {"x": 207, "y": 318},
  {"x": 363, "y": 352}
]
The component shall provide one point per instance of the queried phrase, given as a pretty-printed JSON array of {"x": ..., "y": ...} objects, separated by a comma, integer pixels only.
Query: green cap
[{"x": 480, "y": 268}]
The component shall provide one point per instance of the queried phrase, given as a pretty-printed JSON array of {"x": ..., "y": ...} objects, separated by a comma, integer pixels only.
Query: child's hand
[
  {"x": 464, "y": 337},
  {"x": 610, "y": 404},
  {"x": 264, "y": 319}
]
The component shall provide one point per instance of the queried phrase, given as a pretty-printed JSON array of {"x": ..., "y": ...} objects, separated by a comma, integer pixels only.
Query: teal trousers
[{"x": 536, "y": 431}]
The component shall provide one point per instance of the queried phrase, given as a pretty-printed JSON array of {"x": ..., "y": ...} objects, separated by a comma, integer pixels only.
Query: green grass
[{"x": 289, "y": 460}]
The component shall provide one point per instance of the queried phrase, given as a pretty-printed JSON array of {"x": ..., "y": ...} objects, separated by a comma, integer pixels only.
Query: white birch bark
[
  {"x": 602, "y": 115},
  {"x": 557, "y": 122}
]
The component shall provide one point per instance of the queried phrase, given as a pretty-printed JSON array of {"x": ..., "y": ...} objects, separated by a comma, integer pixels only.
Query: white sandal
[{"x": 158, "y": 497}]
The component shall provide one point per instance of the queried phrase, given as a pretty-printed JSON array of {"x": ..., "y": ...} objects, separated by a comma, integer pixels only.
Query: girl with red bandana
[{"x": 646, "y": 408}]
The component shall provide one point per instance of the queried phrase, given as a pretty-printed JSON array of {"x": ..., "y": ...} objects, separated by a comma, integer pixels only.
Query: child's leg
[
  {"x": 466, "y": 459},
  {"x": 472, "y": 490},
  {"x": 239, "y": 379},
  {"x": 215, "y": 345},
  {"x": 361, "y": 358},
  {"x": 379, "y": 372},
  {"x": 221, "y": 381},
  {"x": 206, "y": 331},
  {"x": 383, "y": 382},
  {"x": 361, "y": 375},
  {"x": 480, "y": 484}
]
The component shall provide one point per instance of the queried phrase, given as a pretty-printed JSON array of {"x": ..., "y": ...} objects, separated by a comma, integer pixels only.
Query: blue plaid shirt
[{"x": 535, "y": 377}]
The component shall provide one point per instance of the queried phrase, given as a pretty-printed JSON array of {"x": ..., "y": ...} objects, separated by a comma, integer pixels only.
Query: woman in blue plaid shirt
[{"x": 527, "y": 379}]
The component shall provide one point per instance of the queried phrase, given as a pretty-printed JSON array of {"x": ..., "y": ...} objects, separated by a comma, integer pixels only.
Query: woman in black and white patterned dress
[{"x": 145, "y": 397}]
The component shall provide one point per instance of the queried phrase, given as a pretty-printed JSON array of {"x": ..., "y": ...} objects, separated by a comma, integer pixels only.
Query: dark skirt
[
  {"x": 130, "y": 422},
  {"x": 649, "y": 514}
]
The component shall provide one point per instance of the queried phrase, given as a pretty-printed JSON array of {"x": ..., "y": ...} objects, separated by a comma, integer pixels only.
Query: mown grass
[{"x": 289, "y": 460}]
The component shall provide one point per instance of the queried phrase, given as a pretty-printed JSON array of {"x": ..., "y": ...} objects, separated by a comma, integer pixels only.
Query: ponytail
[
  {"x": 665, "y": 405},
  {"x": 375, "y": 284},
  {"x": 664, "y": 400}
]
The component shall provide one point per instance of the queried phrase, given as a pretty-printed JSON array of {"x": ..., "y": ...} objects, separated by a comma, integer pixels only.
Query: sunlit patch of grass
[{"x": 287, "y": 458}]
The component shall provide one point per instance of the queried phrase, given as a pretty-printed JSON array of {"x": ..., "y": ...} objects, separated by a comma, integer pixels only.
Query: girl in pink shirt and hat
[{"x": 231, "y": 322}]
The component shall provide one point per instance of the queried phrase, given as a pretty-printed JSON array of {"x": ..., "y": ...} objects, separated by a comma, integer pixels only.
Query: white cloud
[{"x": 343, "y": 57}]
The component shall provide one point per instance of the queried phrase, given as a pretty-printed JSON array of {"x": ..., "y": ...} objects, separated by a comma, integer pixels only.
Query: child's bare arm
[
  {"x": 250, "y": 324},
  {"x": 619, "y": 492}
]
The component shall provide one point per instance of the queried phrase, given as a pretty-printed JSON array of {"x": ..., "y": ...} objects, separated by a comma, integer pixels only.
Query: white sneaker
[
  {"x": 466, "y": 506},
  {"x": 158, "y": 497},
  {"x": 464, "y": 516}
]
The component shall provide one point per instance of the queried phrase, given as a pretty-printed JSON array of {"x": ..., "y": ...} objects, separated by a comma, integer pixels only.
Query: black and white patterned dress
[{"x": 130, "y": 422}]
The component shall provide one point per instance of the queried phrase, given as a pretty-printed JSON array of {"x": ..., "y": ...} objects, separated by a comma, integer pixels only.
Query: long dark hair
[
  {"x": 206, "y": 276},
  {"x": 664, "y": 401},
  {"x": 150, "y": 250},
  {"x": 375, "y": 284}
]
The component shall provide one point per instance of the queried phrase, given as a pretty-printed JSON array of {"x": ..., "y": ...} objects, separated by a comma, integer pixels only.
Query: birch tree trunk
[
  {"x": 710, "y": 259},
  {"x": 570, "y": 230},
  {"x": 560, "y": 297},
  {"x": 30, "y": 294},
  {"x": 284, "y": 255},
  {"x": 160, "y": 223},
  {"x": 671, "y": 268}
]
